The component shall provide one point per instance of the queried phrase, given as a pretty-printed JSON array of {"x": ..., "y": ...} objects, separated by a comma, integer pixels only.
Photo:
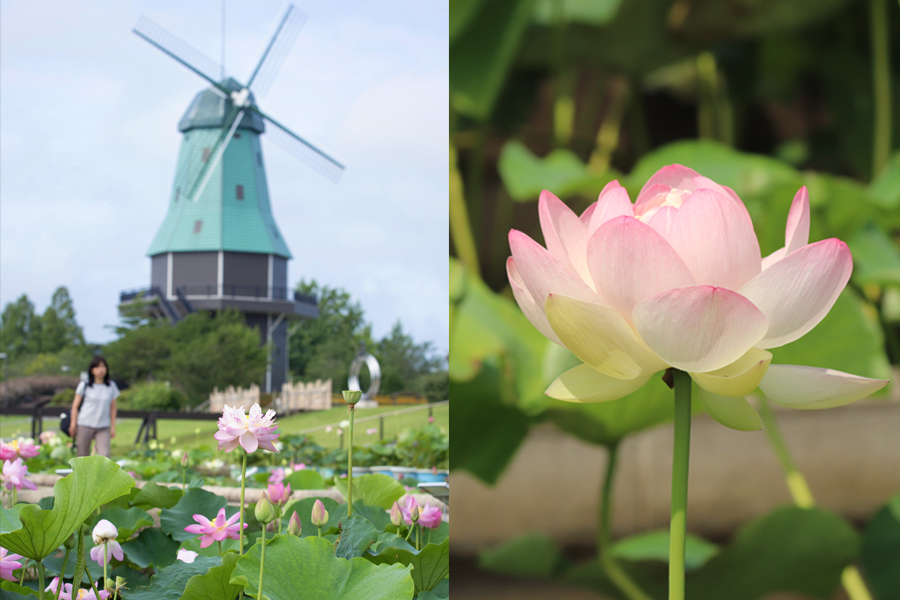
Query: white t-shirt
[{"x": 94, "y": 408}]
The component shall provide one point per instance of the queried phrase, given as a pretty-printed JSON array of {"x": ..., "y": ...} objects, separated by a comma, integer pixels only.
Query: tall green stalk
[
  {"x": 851, "y": 578},
  {"x": 350, "y": 468},
  {"x": 680, "y": 460},
  {"x": 262, "y": 562},
  {"x": 243, "y": 483},
  {"x": 40, "y": 567},
  {"x": 608, "y": 563},
  {"x": 881, "y": 80},
  {"x": 105, "y": 563},
  {"x": 62, "y": 573}
]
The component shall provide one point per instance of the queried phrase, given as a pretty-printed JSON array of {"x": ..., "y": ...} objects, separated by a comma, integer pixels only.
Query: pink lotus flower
[
  {"x": 8, "y": 564},
  {"x": 216, "y": 530},
  {"x": 65, "y": 593},
  {"x": 22, "y": 448},
  {"x": 7, "y": 452},
  {"x": 431, "y": 419},
  {"x": 13, "y": 475},
  {"x": 104, "y": 535},
  {"x": 371, "y": 431},
  {"x": 676, "y": 280},
  {"x": 407, "y": 508},
  {"x": 298, "y": 466},
  {"x": 250, "y": 431},
  {"x": 430, "y": 516},
  {"x": 278, "y": 493},
  {"x": 46, "y": 436},
  {"x": 185, "y": 555},
  {"x": 277, "y": 475}
]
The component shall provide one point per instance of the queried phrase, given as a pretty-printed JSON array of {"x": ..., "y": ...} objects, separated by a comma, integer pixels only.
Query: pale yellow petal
[
  {"x": 739, "y": 378},
  {"x": 584, "y": 384}
]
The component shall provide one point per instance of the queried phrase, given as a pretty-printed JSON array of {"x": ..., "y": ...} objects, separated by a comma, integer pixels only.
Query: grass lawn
[{"x": 196, "y": 433}]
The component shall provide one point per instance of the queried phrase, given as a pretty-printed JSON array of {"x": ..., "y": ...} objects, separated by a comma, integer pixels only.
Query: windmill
[{"x": 218, "y": 246}]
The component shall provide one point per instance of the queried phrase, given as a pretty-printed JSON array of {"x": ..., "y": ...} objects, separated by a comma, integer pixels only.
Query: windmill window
[
  {"x": 198, "y": 225},
  {"x": 237, "y": 136},
  {"x": 239, "y": 192},
  {"x": 205, "y": 154}
]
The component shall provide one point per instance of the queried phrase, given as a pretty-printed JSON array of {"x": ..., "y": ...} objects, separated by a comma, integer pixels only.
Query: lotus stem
[
  {"x": 14, "y": 497},
  {"x": 608, "y": 563},
  {"x": 105, "y": 563},
  {"x": 350, "y": 468},
  {"x": 40, "y": 570},
  {"x": 243, "y": 484},
  {"x": 220, "y": 547},
  {"x": 90, "y": 578},
  {"x": 460, "y": 225},
  {"x": 24, "y": 568},
  {"x": 881, "y": 80},
  {"x": 62, "y": 575},
  {"x": 680, "y": 461},
  {"x": 850, "y": 577},
  {"x": 262, "y": 562}
]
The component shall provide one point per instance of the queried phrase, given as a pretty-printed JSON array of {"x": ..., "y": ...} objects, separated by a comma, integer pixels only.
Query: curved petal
[
  {"x": 600, "y": 337},
  {"x": 530, "y": 308},
  {"x": 564, "y": 233},
  {"x": 629, "y": 261},
  {"x": 700, "y": 328},
  {"x": 672, "y": 176},
  {"x": 248, "y": 442},
  {"x": 196, "y": 529},
  {"x": 206, "y": 540},
  {"x": 798, "y": 291},
  {"x": 796, "y": 234},
  {"x": 773, "y": 258},
  {"x": 543, "y": 273},
  {"x": 613, "y": 202},
  {"x": 714, "y": 236},
  {"x": 810, "y": 387},
  {"x": 116, "y": 549},
  {"x": 202, "y": 519},
  {"x": 732, "y": 412},
  {"x": 663, "y": 220},
  {"x": 739, "y": 378},
  {"x": 584, "y": 384}
]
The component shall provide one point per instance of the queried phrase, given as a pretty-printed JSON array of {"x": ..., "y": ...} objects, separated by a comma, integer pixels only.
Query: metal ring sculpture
[{"x": 374, "y": 375}]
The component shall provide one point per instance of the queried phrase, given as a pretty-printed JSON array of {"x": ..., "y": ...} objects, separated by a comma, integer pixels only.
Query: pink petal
[
  {"x": 630, "y": 261},
  {"x": 714, "y": 236},
  {"x": 699, "y": 328},
  {"x": 222, "y": 436},
  {"x": 543, "y": 274},
  {"x": 233, "y": 519},
  {"x": 613, "y": 202},
  {"x": 248, "y": 442},
  {"x": 796, "y": 233},
  {"x": 773, "y": 258},
  {"x": 672, "y": 176},
  {"x": 564, "y": 233},
  {"x": 202, "y": 519},
  {"x": 266, "y": 445},
  {"x": 229, "y": 446},
  {"x": 206, "y": 540},
  {"x": 220, "y": 518},
  {"x": 219, "y": 534},
  {"x": 530, "y": 309},
  {"x": 197, "y": 529},
  {"x": 663, "y": 220},
  {"x": 116, "y": 549},
  {"x": 798, "y": 291},
  {"x": 811, "y": 388}
]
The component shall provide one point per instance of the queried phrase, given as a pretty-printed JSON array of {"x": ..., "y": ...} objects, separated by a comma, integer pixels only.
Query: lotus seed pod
[{"x": 351, "y": 397}]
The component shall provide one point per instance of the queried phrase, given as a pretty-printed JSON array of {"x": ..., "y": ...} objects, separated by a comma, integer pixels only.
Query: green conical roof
[{"x": 233, "y": 211}]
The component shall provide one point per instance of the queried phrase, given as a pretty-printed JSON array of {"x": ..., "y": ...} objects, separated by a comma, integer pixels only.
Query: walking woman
[{"x": 94, "y": 410}]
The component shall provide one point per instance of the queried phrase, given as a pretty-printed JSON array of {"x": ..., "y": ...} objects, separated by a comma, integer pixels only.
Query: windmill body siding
[
  {"x": 196, "y": 272},
  {"x": 159, "y": 271}
]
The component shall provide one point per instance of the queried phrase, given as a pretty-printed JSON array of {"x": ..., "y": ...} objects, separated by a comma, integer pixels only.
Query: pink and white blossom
[
  {"x": 215, "y": 530},
  {"x": 65, "y": 593},
  {"x": 13, "y": 475},
  {"x": 250, "y": 431},
  {"x": 9, "y": 562},
  {"x": 278, "y": 493},
  {"x": 185, "y": 555},
  {"x": 677, "y": 280},
  {"x": 407, "y": 508},
  {"x": 104, "y": 535},
  {"x": 430, "y": 516}
]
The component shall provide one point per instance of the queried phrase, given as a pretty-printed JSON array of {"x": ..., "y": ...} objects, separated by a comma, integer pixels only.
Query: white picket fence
[{"x": 315, "y": 395}]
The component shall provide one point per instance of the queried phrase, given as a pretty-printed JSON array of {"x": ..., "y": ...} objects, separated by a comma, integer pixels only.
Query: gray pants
[{"x": 83, "y": 437}]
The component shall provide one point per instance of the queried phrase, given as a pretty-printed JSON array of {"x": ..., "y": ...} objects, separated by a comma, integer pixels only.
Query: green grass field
[{"x": 186, "y": 434}]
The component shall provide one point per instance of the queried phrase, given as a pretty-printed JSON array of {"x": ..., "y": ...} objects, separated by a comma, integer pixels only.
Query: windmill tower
[{"x": 219, "y": 246}]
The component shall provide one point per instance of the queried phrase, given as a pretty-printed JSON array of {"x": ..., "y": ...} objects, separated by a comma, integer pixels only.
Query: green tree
[
  {"x": 58, "y": 327},
  {"x": 323, "y": 348},
  {"x": 19, "y": 328},
  {"x": 405, "y": 365}
]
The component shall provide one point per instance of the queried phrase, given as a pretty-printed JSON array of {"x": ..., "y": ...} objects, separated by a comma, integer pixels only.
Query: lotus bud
[
  {"x": 264, "y": 511},
  {"x": 351, "y": 397},
  {"x": 319, "y": 515},
  {"x": 104, "y": 531},
  {"x": 184, "y": 460},
  {"x": 396, "y": 515},
  {"x": 414, "y": 514},
  {"x": 294, "y": 527},
  {"x": 70, "y": 542}
]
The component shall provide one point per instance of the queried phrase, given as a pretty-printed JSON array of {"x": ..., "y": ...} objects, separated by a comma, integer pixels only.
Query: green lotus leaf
[
  {"x": 357, "y": 534},
  {"x": 127, "y": 522},
  {"x": 214, "y": 585},
  {"x": 9, "y": 518},
  {"x": 440, "y": 592},
  {"x": 151, "y": 548},
  {"x": 307, "y": 569},
  {"x": 10, "y": 590},
  {"x": 430, "y": 565},
  {"x": 654, "y": 545},
  {"x": 94, "y": 481},
  {"x": 306, "y": 479},
  {"x": 125, "y": 500},
  {"x": 376, "y": 515},
  {"x": 533, "y": 555},
  {"x": 195, "y": 501},
  {"x": 304, "y": 511},
  {"x": 881, "y": 551},
  {"x": 375, "y": 489},
  {"x": 171, "y": 582},
  {"x": 154, "y": 495}
]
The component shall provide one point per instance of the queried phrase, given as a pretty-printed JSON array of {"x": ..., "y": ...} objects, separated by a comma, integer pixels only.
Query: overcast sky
[{"x": 89, "y": 141}]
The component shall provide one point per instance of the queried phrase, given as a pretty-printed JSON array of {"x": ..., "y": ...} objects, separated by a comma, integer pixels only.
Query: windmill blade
[
  {"x": 234, "y": 119},
  {"x": 302, "y": 149},
  {"x": 181, "y": 51},
  {"x": 277, "y": 50}
]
